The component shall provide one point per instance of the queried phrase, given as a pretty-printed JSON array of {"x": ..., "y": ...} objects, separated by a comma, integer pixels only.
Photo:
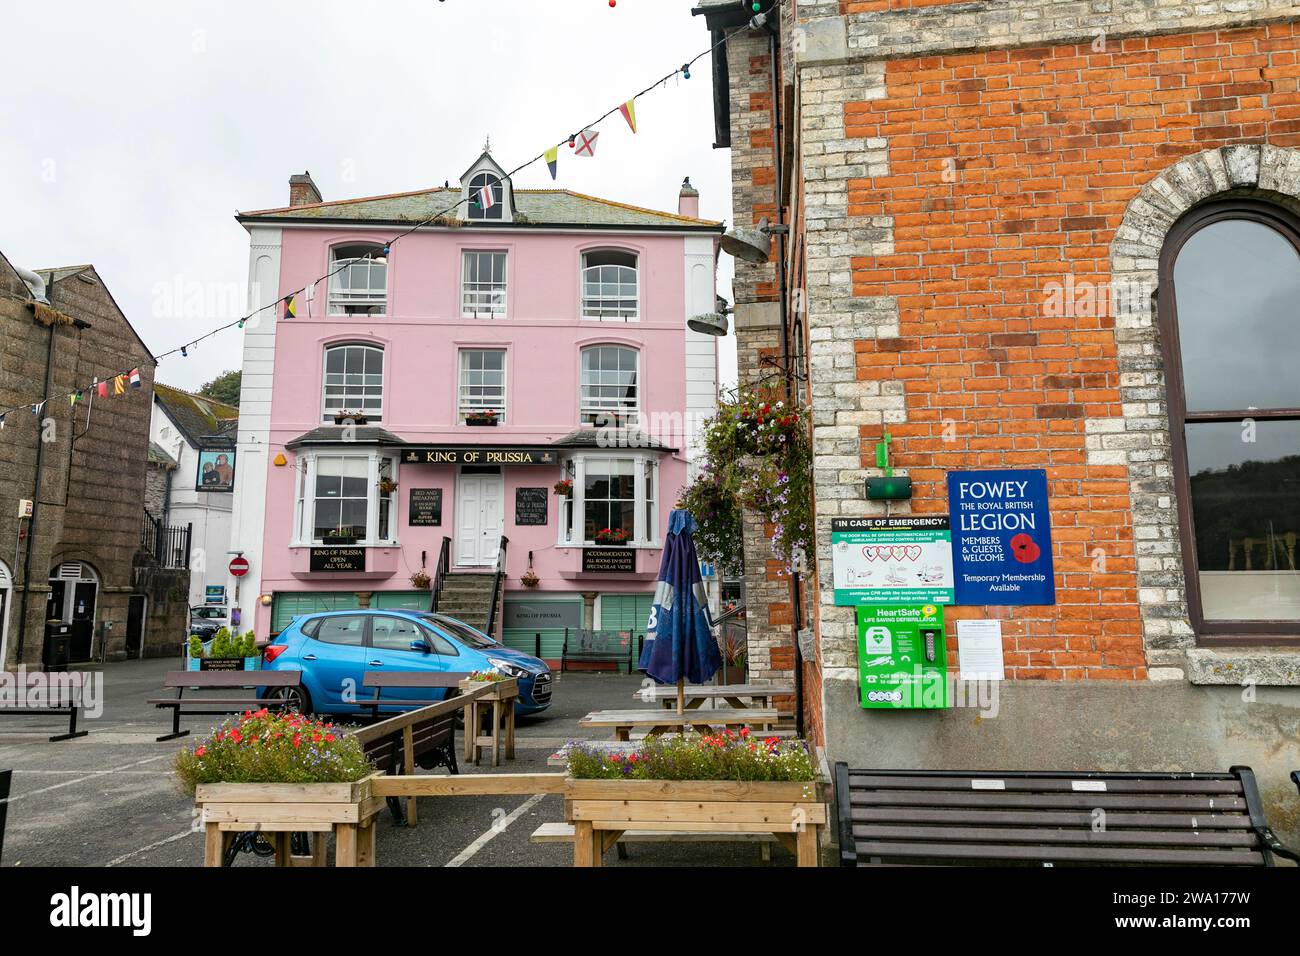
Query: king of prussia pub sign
[{"x": 478, "y": 455}]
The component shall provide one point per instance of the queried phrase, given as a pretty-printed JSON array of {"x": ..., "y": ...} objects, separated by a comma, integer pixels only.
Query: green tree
[{"x": 224, "y": 388}]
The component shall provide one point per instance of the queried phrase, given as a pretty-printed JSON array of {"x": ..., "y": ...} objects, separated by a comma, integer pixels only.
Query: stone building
[
  {"x": 78, "y": 551},
  {"x": 996, "y": 207}
]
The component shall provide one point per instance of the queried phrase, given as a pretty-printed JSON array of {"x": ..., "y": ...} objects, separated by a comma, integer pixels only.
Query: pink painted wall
[{"x": 542, "y": 335}]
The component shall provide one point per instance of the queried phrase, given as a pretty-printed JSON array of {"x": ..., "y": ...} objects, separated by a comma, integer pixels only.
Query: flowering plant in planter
[
  {"x": 730, "y": 755},
  {"x": 564, "y": 487},
  {"x": 485, "y": 417},
  {"x": 488, "y": 676},
  {"x": 349, "y": 418},
  {"x": 612, "y": 536},
  {"x": 264, "y": 747},
  {"x": 420, "y": 580},
  {"x": 387, "y": 486}
]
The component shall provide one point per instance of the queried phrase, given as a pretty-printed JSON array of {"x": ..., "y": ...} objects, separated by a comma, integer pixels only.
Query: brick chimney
[
  {"x": 302, "y": 191},
  {"x": 688, "y": 203}
]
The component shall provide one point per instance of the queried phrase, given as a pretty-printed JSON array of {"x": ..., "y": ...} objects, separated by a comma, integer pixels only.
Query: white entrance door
[{"x": 480, "y": 501}]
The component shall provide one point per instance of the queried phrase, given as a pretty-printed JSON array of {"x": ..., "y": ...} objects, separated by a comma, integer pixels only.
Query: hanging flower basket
[
  {"x": 529, "y": 579},
  {"x": 420, "y": 580},
  {"x": 564, "y": 487},
  {"x": 387, "y": 486}
]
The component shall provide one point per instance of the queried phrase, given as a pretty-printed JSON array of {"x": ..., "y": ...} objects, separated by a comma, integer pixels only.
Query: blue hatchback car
[{"x": 334, "y": 651}]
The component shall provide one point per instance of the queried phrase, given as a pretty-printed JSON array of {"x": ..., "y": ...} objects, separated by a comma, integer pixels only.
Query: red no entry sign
[{"x": 239, "y": 567}]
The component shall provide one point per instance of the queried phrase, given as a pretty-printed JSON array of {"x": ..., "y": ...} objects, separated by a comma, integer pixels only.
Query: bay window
[
  {"x": 345, "y": 497},
  {"x": 1230, "y": 279},
  {"x": 614, "y": 492}
]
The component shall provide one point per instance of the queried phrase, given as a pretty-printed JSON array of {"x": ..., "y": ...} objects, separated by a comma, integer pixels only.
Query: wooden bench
[
  {"x": 889, "y": 817},
  {"x": 220, "y": 706},
  {"x": 563, "y": 833},
  {"x": 739, "y": 696},
  {"x": 596, "y": 647},
  {"x": 702, "y": 719},
  {"x": 67, "y": 703},
  {"x": 407, "y": 680}
]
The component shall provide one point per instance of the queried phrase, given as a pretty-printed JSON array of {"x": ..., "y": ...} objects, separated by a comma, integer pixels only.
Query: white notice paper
[{"x": 979, "y": 650}]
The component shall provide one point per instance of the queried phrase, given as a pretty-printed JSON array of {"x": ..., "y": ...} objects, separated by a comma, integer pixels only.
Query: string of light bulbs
[{"x": 183, "y": 350}]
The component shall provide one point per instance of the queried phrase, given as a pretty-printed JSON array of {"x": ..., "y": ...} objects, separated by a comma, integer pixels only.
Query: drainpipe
[
  {"x": 46, "y": 289},
  {"x": 782, "y": 232}
]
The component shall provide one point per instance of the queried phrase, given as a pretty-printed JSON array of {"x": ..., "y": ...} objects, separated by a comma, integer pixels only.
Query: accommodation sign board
[
  {"x": 425, "y": 508},
  {"x": 901, "y": 559},
  {"x": 1001, "y": 537}
]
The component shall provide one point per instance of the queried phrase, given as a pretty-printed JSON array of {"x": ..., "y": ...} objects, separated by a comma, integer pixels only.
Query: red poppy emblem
[{"x": 1024, "y": 550}]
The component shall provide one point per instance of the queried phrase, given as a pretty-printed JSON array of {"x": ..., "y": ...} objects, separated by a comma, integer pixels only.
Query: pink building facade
[{"x": 424, "y": 402}]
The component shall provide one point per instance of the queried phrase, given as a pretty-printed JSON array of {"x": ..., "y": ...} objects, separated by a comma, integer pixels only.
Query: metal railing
[
  {"x": 440, "y": 575},
  {"x": 498, "y": 580},
  {"x": 168, "y": 545}
]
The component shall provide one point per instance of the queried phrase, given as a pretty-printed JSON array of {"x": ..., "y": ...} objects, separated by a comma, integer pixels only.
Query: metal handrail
[
  {"x": 440, "y": 575},
  {"x": 497, "y": 580}
]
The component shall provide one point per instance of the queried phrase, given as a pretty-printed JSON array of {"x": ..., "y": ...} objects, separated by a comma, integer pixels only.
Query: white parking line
[
  {"x": 90, "y": 776},
  {"x": 465, "y": 855},
  {"x": 152, "y": 846}
]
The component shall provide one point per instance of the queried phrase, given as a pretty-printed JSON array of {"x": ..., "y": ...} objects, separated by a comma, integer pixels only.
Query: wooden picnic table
[
  {"x": 757, "y": 695},
  {"x": 702, "y": 719}
]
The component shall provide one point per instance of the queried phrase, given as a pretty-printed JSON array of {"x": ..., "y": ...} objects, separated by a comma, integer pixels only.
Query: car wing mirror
[{"x": 420, "y": 646}]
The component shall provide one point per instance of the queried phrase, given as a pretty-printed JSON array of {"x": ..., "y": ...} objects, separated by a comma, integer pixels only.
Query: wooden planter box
[
  {"x": 498, "y": 701},
  {"x": 500, "y": 690},
  {"x": 602, "y": 810},
  {"x": 347, "y": 809}
]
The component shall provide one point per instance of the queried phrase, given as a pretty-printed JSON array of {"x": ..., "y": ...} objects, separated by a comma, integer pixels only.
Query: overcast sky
[{"x": 134, "y": 130}]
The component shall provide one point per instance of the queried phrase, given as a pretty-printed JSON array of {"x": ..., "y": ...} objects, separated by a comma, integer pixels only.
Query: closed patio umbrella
[{"x": 679, "y": 642}]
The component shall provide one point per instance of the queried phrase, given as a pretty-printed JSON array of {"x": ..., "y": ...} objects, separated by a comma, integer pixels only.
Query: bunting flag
[
  {"x": 119, "y": 384},
  {"x": 36, "y": 409},
  {"x": 102, "y": 388},
  {"x": 2, "y": 423},
  {"x": 628, "y": 110},
  {"x": 291, "y": 307},
  {"x": 135, "y": 378},
  {"x": 485, "y": 198},
  {"x": 553, "y": 160},
  {"x": 585, "y": 144},
  {"x": 73, "y": 398}
]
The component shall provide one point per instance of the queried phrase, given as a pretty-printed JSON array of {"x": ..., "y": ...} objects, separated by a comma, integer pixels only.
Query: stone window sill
[{"x": 1264, "y": 668}]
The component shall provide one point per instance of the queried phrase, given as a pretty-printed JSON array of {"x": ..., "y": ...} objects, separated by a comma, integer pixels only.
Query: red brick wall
[{"x": 1045, "y": 148}]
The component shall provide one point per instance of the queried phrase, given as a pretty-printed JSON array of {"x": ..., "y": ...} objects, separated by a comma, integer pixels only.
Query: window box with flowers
[
  {"x": 612, "y": 536},
  {"x": 741, "y": 781},
  {"x": 350, "y": 418},
  {"x": 280, "y": 773},
  {"x": 482, "y": 419}
]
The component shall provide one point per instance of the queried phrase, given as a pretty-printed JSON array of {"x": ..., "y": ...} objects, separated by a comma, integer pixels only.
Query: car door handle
[
  {"x": 309, "y": 657},
  {"x": 376, "y": 663}
]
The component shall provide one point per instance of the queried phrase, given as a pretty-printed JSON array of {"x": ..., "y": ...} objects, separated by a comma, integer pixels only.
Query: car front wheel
[{"x": 295, "y": 698}]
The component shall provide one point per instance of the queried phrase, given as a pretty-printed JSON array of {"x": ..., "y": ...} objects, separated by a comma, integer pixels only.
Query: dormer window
[
  {"x": 486, "y": 198},
  {"x": 359, "y": 283}
]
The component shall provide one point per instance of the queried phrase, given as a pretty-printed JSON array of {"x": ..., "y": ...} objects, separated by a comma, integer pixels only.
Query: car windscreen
[{"x": 462, "y": 632}]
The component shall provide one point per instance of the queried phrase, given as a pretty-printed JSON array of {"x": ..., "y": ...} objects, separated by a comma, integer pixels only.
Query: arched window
[
  {"x": 486, "y": 197},
  {"x": 359, "y": 280},
  {"x": 609, "y": 285},
  {"x": 611, "y": 388},
  {"x": 354, "y": 381},
  {"x": 1230, "y": 330}
]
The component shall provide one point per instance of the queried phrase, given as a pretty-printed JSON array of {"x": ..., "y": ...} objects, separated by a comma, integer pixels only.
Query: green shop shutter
[
  {"x": 287, "y": 605},
  {"x": 525, "y": 638},
  {"x": 626, "y": 612},
  {"x": 401, "y": 600}
]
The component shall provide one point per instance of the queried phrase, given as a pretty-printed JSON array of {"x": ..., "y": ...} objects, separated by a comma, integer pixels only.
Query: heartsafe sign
[{"x": 1001, "y": 537}]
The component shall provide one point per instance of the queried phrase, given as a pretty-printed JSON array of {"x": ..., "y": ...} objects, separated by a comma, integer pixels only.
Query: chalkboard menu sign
[
  {"x": 608, "y": 560},
  {"x": 338, "y": 559},
  {"x": 425, "y": 508},
  {"x": 531, "y": 505}
]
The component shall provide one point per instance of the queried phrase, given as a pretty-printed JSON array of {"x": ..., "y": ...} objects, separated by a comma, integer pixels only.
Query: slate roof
[
  {"x": 203, "y": 421},
  {"x": 610, "y": 438},
  {"x": 534, "y": 207},
  {"x": 334, "y": 435}
]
